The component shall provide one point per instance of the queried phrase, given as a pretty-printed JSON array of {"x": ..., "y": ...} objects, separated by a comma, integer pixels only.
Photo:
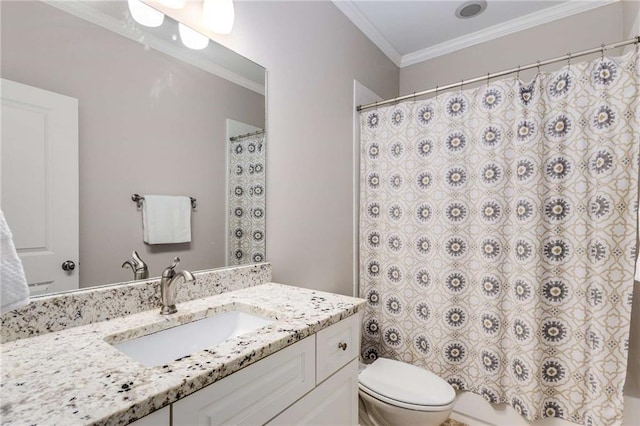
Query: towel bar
[{"x": 138, "y": 199}]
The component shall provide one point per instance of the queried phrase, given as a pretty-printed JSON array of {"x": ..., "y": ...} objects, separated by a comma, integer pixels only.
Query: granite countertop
[{"x": 74, "y": 376}]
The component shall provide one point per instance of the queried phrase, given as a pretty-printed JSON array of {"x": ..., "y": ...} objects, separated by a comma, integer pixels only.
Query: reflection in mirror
[
  {"x": 96, "y": 108},
  {"x": 246, "y": 193}
]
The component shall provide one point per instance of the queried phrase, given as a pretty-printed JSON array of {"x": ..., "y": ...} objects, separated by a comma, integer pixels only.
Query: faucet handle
[
  {"x": 137, "y": 265},
  {"x": 130, "y": 264},
  {"x": 169, "y": 270},
  {"x": 175, "y": 262},
  {"x": 140, "y": 264}
]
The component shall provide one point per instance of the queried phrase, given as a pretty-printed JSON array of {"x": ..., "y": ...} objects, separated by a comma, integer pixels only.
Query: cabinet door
[
  {"x": 337, "y": 345},
  {"x": 333, "y": 403},
  {"x": 162, "y": 417},
  {"x": 254, "y": 394}
]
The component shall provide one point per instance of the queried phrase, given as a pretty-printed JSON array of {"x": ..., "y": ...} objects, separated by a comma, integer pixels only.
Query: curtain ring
[
  {"x": 602, "y": 52},
  {"x": 569, "y": 59},
  {"x": 518, "y": 73},
  {"x": 461, "y": 84},
  {"x": 436, "y": 92},
  {"x": 488, "y": 74}
]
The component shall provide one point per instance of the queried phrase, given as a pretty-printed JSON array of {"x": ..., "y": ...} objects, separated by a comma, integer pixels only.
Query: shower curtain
[
  {"x": 246, "y": 240},
  {"x": 497, "y": 237}
]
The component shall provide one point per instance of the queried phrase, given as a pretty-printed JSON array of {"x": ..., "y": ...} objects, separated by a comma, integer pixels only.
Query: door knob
[{"x": 68, "y": 265}]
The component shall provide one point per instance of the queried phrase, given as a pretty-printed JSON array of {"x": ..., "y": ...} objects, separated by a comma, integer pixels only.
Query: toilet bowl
[{"x": 394, "y": 393}]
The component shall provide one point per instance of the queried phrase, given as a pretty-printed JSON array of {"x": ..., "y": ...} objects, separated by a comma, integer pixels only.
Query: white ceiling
[{"x": 409, "y": 32}]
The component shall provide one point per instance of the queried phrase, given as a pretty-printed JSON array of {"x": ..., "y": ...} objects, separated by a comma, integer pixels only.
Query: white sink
[{"x": 168, "y": 345}]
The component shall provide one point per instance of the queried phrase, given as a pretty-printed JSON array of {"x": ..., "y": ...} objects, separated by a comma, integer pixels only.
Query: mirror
[{"x": 87, "y": 89}]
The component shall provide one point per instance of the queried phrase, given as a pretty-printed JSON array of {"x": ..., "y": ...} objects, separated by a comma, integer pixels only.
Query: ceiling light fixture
[
  {"x": 218, "y": 15},
  {"x": 191, "y": 38},
  {"x": 144, "y": 14},
  {"x": 173, "y": 4},
  {"x": 471, "y": 9}
]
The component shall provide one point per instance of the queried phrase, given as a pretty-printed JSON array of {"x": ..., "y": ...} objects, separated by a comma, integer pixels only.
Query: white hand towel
[
  {"x": 166, "y": 219},
  {"x": 14, "y": 292}
]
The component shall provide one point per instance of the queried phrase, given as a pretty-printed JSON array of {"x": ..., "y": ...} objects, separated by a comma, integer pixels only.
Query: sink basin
[{"x": 168, "y": 345}]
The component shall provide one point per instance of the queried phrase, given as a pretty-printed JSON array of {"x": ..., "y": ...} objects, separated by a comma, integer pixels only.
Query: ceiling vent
[{"x": 470, "y": 9}]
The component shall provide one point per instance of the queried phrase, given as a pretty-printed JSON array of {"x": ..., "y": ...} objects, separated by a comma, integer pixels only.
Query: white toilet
[{"x": 394, "y": 393}]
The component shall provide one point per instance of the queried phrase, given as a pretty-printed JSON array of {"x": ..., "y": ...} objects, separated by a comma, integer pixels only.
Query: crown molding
[
  {"x": 351, "y": 11},
  {"x": 550, "y": 14},
  {"x": 81, "y": 10},
  {"x": 544, "y": 16}
]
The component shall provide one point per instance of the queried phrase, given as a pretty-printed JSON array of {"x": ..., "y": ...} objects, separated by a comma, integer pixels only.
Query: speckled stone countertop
[
  {"x": 55, "y": 312},
  {"x": 74, "y": 376}
]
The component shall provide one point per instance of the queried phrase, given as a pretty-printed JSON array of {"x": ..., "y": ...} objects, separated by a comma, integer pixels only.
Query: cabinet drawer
[
  {"x": 254, "y": 394},
  {"x": 336, "y": 346}
]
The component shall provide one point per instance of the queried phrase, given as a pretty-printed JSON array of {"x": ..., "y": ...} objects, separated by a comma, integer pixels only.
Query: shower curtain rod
[
  {"x": 246, "y": 135},
  {"x": 538, "y": 64}
]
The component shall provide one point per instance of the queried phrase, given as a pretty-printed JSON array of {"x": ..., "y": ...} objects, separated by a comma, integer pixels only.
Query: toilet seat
[
  {"x": 398, "y": 404},
  {"x": 406, "y": 386}
]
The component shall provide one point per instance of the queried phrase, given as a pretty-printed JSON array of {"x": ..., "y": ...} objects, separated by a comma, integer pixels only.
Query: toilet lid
[{"x": 406, "y": 383}]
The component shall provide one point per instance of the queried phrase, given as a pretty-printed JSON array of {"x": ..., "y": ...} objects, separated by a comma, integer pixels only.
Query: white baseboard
[{"x": 473, "y": 410}]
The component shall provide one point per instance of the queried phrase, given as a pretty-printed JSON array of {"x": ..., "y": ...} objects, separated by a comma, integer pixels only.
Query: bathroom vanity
[
  {"x": 313, "y": 381},
  {"x": 285, "y": 372}
]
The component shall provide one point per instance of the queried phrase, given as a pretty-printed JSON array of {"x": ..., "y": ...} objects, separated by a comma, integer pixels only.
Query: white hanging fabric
[{"x": 497, "y": 237}]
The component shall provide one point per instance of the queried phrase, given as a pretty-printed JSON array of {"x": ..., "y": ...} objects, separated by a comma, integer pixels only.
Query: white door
[{"x": 39, "y": 182}]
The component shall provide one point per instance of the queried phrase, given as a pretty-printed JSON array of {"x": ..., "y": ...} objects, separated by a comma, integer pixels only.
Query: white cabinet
[
  {"x": 333, "y": 403},
  {"x": 312, "y": 382},
  {"x": 254, "y": 394}
]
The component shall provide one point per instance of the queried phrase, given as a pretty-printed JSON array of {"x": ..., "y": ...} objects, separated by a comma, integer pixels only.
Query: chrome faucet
[
  {"x": 137, "y": 265},
  {"x": 168, "y": 286}
]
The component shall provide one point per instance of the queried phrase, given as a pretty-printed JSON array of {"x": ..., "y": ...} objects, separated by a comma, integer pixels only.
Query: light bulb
[
  {"x": 191, "y": 38},
  {"x": 173, "y": 4},
  {"x": 218, "y": 15},
  {"x": 144, "y": 14}
]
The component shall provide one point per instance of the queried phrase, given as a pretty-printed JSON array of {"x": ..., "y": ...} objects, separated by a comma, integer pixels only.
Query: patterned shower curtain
[
  {"x": 246, "y": 200},
  {"x": 497, "y": 237}
]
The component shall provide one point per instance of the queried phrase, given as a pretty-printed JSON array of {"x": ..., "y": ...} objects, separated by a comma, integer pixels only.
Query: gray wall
[
  {"x": 312, "y": 53},
  {"x": 607, "y": 24},
  {"x": 124, "y": 147},
  {"x": 631, "y": 19}
]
